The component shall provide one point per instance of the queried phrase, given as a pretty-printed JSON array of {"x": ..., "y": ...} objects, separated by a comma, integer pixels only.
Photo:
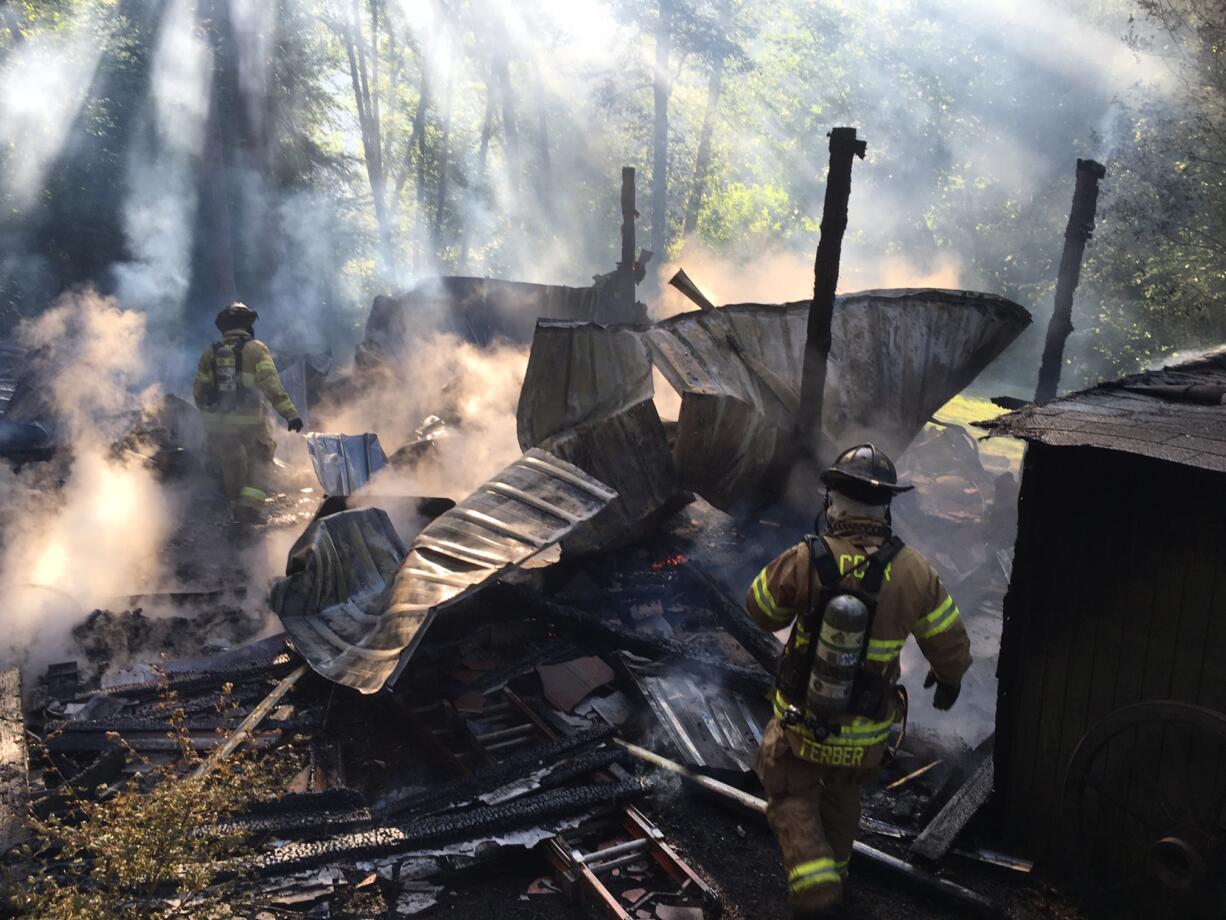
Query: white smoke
[
  {"x": 160, "y": 207},
  {"x": 90, "y": 526},
  {"x": 43, "y": 85}
]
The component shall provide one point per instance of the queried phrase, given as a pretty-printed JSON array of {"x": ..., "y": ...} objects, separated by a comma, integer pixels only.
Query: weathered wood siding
[{"x": 1118, "y": 595}]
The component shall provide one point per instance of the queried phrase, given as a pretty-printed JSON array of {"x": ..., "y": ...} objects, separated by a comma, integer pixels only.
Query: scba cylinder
[{"x": 837, "y": 656}]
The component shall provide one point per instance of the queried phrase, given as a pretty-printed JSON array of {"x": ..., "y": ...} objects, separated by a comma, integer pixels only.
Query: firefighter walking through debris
[
  {"x": 852, "y": 597},
  {"x": 230, "y": 378}
]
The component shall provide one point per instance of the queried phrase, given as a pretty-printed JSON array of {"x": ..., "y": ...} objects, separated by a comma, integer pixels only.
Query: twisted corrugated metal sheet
[
  {"x": 897, "y": 357},
  {"x": 357, "y": 606}
]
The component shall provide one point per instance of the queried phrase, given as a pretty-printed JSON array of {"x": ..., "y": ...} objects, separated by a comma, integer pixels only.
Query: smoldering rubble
[{"x": 545, "y": 692}]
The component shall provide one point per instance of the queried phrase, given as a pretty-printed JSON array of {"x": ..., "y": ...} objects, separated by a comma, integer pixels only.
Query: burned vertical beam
[
  {"x": 844, "y": 147},
  {"x": 627, "y": 268},
  {"x": 1076, "y": 235}
]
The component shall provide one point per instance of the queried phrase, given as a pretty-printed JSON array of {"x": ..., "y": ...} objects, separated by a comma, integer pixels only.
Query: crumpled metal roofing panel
[
  {"x": 338, "y": 573},
  {"x": 587, "y": 398},
  {"x": 357, "y": 606},
  {"x": 897, "y": 356},
  {"x": 345, "y": 462},
  {"x": 579, "y": 372}
]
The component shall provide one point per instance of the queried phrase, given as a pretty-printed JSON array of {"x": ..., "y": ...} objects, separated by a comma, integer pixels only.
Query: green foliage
[
  {"x": 498, "y": 148},
  {"x": 150, "y": 850},
  {"x": 1163, "y": 269}
]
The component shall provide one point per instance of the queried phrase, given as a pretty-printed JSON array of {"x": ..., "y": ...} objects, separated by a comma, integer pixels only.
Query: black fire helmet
[
  {"x": 866, "y": 474},
  {"x": 236, "y": 316}
]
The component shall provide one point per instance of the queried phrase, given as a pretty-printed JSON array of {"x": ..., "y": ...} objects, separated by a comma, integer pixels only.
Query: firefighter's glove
[
  {"x": 294, "y": 424},
  {"x": 945, "y": 695}
]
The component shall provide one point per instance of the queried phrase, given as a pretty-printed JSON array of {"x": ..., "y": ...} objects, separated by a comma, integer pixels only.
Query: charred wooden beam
[
  {"x": 682, "y": 282},
  {"x": 1076, "y": 235},
  {"x": 936, "y": 839},
  {"x": 604, "y": 633},
  {"x": 732, "y": 616},
  {"x": 627, "y": 269},
  {"x": 249, "y": 724},
  {"x": 542, "y": 809},
  {"x": 948, "y": 891},
  {"x": 844, "y": 148}
]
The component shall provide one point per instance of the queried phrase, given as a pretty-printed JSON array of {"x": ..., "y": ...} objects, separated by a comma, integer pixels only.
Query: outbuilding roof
[{"x": 1174, "y": 414}]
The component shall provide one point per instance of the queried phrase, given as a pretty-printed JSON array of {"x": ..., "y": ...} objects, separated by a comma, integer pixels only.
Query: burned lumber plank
[
  {"x": 949, "y": 892},
  {"x": 249, "y": 724},
  {"x": 936, "y": 839},
  {"x": 543, "y": 809},
  {"x": 596, "y": 629},
  {"x": 758, "y": 642},
  {"x": 470, "y": 788},
  {"x": 14, "y": 763}
]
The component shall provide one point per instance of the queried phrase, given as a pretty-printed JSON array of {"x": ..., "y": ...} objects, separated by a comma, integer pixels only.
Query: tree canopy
[{"x": 306, "y": 154}]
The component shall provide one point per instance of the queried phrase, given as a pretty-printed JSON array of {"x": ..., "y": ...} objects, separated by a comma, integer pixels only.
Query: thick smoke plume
[
  {"x": 474, "y": 390},
  {"x": 89, "y": 526}
]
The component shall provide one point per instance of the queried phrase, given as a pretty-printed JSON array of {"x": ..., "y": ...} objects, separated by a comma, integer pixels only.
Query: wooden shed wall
[{"x": 1118, "y": 595}]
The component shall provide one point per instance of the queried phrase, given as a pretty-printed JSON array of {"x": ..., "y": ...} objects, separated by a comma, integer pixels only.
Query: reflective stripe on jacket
[
  {"x": 257, "y": 374},
  {"x": 912, "y": 601}
]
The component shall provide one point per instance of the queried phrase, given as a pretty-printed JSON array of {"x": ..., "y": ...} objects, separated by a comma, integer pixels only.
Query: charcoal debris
[{"x": 492, "y": 682}]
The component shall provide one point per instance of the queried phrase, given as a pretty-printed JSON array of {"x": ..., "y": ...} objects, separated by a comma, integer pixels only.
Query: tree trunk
[
  {"x": 215, "y": 246},
  {"x": 417, "y": 151},
  {"x": 216, "y": 280},
  {"x": 661, "y": 89},
  {"x": 545, "y": 175},
  {"x": 702, "y": 163},
  {"x": 368, "y": 122},
  {"x": 487, "y": 131},
  {"x": 510, "y": 133},
  {"x": 444, "y": 154}
]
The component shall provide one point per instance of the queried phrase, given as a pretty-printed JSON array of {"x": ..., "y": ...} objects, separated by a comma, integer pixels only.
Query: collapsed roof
[
  {"x": 356, "y": 604},
  {"x": 1174, "y": 414},
  {"x": 897, "y": 357},
  {"x": 482, "y": 310}
]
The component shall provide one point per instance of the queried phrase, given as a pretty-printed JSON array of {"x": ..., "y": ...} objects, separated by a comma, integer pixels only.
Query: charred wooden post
[
  {"x": 627, "y": 275},
  {"x": 844, "y": 147},
  {"x": 1078, "y": 232}
]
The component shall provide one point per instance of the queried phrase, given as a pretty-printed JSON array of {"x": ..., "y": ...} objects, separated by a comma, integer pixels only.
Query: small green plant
[{"x": 149, "y": 850}]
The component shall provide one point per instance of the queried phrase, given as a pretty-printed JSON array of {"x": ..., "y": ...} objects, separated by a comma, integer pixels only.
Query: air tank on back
[{"x": 837, "y": 658}]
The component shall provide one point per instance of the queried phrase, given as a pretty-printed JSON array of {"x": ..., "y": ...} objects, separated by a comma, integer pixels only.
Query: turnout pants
[
  {"x": 814, "y": 812},
  {"x": 243, "y": 456}
]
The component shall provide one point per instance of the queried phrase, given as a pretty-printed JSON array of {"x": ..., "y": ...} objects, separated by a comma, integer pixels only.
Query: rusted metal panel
[
  {"x": 356, "y": 605},
  {"x": 898, "y": 356}
]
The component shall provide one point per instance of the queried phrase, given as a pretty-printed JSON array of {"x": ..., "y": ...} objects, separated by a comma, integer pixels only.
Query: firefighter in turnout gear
[
  {"x": 852, "y": 597},
  {"x": 230, "y": 379}
]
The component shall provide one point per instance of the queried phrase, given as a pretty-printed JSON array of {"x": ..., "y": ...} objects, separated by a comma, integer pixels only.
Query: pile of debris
[
  {"x": 520, "y": 677},
  {"x": 507, "y": 737}
]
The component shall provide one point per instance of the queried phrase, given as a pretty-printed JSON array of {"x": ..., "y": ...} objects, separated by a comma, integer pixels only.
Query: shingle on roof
[{"x": 1115, "y": 416}]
